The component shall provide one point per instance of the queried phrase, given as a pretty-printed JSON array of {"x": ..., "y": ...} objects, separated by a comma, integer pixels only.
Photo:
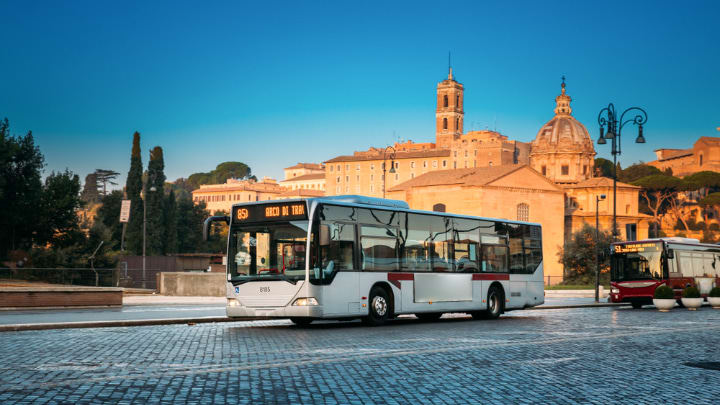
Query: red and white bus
[
  {"x": 638, "y": 267},
  {"x": 348, "y": 257}
]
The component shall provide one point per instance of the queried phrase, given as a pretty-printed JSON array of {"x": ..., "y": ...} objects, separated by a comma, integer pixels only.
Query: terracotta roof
[
  {"x": 674, "y": 153},
  {"x": 316, "y": 166},
  {"x": 599, "y": 182},
  {"x": 477, "y": 176},
  {"x": 303, "y": 192},
  {"x": 398, "y": 155},
  {"x": 313, "y": 176}
]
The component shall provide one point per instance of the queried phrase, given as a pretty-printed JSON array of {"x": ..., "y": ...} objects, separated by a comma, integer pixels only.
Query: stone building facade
[
  {"x": 704, "y": 155},
  {"x": 221, "y": 197}
]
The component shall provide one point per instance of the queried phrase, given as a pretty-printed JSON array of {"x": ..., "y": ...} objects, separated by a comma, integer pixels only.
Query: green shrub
[
  {"x": 691, "y": 292},
  {"x": 715, "y": 292},
  {"x": 664, "y": 293}
]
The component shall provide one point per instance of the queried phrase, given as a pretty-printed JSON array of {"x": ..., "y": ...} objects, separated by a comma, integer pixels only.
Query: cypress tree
[
  {"x": 134, "y": 233},
  {"x": 156, "y": 238},
  {"x": 171, "y": 240}
]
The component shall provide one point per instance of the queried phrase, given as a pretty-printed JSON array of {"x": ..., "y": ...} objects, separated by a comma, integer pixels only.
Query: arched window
[
  {"x": 439, "y": 207},
  {"x": 444, "y": 123},
  {"x": 523, "y": 212},
  {"x": 700, "y": 160},
  {"x": 457, "y": 100},
  {"x": 445, "y": 100}
]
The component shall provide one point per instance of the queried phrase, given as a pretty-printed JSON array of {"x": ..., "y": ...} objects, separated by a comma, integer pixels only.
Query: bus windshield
[
  {"x": 637, "y": 263},
  {"x": 273, "y": 251}
]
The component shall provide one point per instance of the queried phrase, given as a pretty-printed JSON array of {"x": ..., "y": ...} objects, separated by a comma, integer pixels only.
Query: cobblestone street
[{"x": 596, "y": 355}]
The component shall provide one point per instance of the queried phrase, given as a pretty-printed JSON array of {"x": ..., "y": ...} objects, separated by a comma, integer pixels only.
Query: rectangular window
[
  {"x": 424, "y": 163},
  {"x": 379, "y": 248},
  {"x": 565, "y": 170},
  {"x": 434, "y": 163},
  {"x": 341, "y": 247},
  {"x": 466, "y": 248},
  {"x": 494, "y": 259},
  {"x": 444, "y": 163},
  {"x": 357, "y": 168},
  {"x": 412, "y": 165},
  {"x": 372, "y": 166}
]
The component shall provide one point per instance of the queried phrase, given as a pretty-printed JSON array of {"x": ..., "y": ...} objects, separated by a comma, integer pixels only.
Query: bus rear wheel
[
  {"x": 379, "y": 311},
  {"x": 429, "y": 316},
  {"x": 301, "y": 321},
  {"x": 495, "y": 303}
]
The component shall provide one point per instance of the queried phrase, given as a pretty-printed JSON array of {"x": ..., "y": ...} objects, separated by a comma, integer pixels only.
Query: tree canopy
[
  {"x": 579, "y": 253},
  {"x": 636, "y": 172},
  {"x": 222, "y": 172}
]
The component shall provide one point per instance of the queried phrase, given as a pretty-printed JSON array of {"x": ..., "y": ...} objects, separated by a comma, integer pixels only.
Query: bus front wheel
[{"x": 379, "y": 310}]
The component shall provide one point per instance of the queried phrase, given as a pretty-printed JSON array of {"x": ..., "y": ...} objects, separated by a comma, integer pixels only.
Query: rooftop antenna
[{"x": 450, "y": 75}]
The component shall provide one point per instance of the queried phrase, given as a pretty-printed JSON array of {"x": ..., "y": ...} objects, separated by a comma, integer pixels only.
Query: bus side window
[
  {"x": 415, "y": 250},
  {"x": 341, "y": 247},
  {"x": 494, "y": 259},
  {"x": 379, "y": 248}
]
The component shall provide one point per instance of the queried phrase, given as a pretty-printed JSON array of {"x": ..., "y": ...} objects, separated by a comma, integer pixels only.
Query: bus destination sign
[
  {"x": 271, "y": 212},
  {"x": 637, "y": 248}
]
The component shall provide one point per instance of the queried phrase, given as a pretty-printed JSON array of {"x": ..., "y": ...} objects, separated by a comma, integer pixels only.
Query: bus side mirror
[
  {"x": 208, "y": 222},
  {"x": 670, "y": 254},
  {"x": 324, "y": 235}
]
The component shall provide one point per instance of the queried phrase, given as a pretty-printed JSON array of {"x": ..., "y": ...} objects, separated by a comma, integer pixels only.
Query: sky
[{"x": 273, "y": 83}]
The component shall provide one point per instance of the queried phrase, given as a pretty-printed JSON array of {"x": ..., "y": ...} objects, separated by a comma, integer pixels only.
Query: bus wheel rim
[{"x": 379, "y": 306}]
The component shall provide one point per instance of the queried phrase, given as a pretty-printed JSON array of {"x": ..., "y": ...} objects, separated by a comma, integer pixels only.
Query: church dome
[
  {"x": 563, "y": 150},
  {"x": 563, "y": 133}
]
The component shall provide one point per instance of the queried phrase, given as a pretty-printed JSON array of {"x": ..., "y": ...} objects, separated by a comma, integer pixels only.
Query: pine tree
[
  {"x": 171, "y": 240},
  {"x": 134, "y": 234},
  {"x": 156, "y": 237}
]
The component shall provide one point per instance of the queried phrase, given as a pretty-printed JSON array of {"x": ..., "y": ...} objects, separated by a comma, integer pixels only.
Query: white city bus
[{"x": 351, "y": 257}]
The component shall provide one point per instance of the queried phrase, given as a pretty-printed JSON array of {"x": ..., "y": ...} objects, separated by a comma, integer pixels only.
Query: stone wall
[{"x": 192, "y": 284}]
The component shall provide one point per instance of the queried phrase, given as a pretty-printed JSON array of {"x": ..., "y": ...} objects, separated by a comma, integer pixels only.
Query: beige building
[
  {"x": 582, "y": 198},
  {"x": 221, "y": 197},
  {"x": 704, "y": 155}
]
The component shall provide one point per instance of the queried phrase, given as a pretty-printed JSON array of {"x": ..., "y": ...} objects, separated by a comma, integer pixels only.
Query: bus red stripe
[
  {"x": 395, "y": 278},
  {"x": 486, "y": 276}
]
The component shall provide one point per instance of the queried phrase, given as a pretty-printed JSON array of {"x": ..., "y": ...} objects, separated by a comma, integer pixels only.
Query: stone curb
[{"x": 211, "y": 319}]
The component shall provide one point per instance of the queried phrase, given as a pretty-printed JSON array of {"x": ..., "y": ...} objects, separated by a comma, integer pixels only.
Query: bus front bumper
[{"x": 240, "y": 311}]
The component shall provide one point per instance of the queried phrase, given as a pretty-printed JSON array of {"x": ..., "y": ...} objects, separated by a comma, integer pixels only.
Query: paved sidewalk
[{"x": 155, "y": 299}]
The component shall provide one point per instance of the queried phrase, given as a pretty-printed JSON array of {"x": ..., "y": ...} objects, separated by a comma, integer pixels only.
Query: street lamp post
[
  {"x": 152, "y": 188},
  {"x": 609, "y": 119},
  {"x": 597, "y": 245},
  {"x": 392, "y": 164}
]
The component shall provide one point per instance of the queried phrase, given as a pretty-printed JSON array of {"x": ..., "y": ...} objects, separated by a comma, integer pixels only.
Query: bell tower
[{"x": 449, "y": 113}]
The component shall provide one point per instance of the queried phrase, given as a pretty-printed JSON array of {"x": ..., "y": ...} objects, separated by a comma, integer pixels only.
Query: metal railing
[{"x": 61, "y": 276}]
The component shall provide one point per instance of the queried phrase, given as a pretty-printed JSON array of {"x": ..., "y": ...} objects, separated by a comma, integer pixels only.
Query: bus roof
[{"x": 382, "y": 203}]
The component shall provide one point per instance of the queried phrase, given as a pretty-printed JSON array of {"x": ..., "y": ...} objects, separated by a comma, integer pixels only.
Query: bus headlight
[
  {"x": 232, "y": 302},
  {"x": 615, "y": 291},
  {"x": 305, "y": 302}
]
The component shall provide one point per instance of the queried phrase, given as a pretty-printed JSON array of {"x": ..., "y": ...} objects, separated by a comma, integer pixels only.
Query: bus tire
[
  {"x": 379, "y": 307},
  {"x": 301, "y": 321},
  {"x": 495, "y": 302},
  {"x": 429, "y": 316}
]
